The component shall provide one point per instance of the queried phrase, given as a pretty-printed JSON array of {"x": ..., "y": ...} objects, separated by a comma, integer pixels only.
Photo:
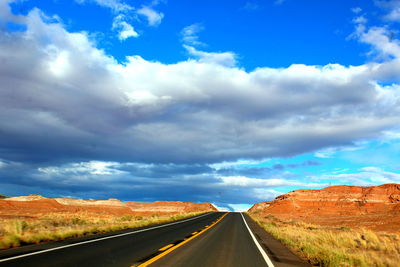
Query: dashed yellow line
[
  {"x": 194, "y": 233},
  {"x": 169, "y": 250},
  {"x": 166, "y": 247}
]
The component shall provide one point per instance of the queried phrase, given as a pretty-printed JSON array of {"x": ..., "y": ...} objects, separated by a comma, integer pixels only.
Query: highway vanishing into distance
[{"x": 212, "y": 239}]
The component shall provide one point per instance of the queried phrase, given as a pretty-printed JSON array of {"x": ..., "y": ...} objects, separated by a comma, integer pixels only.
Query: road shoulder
[{"x": 280, "y": 255}]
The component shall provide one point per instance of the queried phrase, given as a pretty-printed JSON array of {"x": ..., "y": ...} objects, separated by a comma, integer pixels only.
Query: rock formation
[
  {"x": 372, "y": 206},
  {"x": 170, "y": 206},
  {"x": 35, "y": 204}
]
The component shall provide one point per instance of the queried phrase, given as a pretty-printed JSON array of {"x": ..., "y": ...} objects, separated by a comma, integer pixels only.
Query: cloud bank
[
  {"x": 65, "y": 105},
  {"x": 64, "y": 88}
]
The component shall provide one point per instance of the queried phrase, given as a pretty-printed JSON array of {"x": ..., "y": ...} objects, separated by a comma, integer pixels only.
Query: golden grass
[
  {"x": 340, "y": 246},
  {"x": 58, "y": 226}
]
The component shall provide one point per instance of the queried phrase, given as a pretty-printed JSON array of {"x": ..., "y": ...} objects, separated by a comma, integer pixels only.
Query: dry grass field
[
  {"x": 335, "y": 246},
  {"x": 17, "y": 231}
]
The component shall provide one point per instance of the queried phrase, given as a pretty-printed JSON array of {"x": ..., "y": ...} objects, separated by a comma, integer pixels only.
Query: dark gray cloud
[
  {"x": 165, "y": 170},
  {"x": 262, "y": 171},
  {"x": 144, "y": 182},
  {"x": 294, "y": 165},
  {"x": 248, "y": 171}
]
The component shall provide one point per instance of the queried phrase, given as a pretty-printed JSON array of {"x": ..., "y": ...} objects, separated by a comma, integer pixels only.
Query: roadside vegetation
[
  {"x": 328, "y": 246},
  {"x": 58, "y": 226}
]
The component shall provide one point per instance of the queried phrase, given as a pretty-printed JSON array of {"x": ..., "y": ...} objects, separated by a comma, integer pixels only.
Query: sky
[{"x": 228, "y": 102}]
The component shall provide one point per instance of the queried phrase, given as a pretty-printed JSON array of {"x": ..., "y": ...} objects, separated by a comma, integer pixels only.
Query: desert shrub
[
  {"x": 78, "y": 221},
  {"x": 57, "y": 226},
  {"x": 126, "y": 218},
  {"x": 10, "y": 241},
  {"x": 337, "y": 246}
]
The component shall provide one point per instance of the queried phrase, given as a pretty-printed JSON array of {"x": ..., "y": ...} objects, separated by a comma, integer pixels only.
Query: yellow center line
[
  {"x": 194, "y": 233},
  {"x": 166, "y": 247},
  {"x": 159, "y": 256}
]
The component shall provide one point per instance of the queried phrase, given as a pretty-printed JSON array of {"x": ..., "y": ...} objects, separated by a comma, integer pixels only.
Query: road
[{"x": 215, "y": 239}]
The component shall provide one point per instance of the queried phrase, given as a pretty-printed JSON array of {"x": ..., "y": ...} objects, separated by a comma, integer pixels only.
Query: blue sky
[{"x": 229, "y": 102}]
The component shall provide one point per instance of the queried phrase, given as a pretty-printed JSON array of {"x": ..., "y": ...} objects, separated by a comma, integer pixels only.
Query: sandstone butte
[
  {"x": 372, "y": 207},
  {"x": 36, "y": 204}
]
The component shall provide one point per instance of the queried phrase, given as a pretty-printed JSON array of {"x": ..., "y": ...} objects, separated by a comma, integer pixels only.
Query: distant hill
[
  {"x": 29, "y": 205},
  {"x": 375, "y": 207}
]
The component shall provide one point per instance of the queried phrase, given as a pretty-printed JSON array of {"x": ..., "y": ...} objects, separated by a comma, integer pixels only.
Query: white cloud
[
  {"x": 227, "y": 59},
  {"x": 381, "y": 39},
  {"x": 91, "y": 167},
  {"x": 371, "y": 169},
  {"x": 220, "y": 208},
  {"x": 269, "y": 194},
  {"x": 242, "y": 181},
  {"x": 330, "y": 152},
  {"x": 390, "y": 135},
  {"x": 356, "y": 10},
  {"x": 120, "y": 22},
  {"x": 153, "y": 17},
  {"x": 365, "y": 177},
  {"x": 324, "y": 154},
  {"x": 125, "y": 30},
  {"x": 204, "y": 109},
  {"x": 251, "y": 6},
  {"x": 360, "y": 20},
  {"x": 392, "y": 8},
  {"x": 190, "y": 34},
  {"x": 240, "y": 207},
  {"x": 59, "y": 65},
  {"x": 394, "y": 15},
  {"x": 237, "y": 163},
  {"x": 191, "y": 40},
  {"x": 6, "y": 15},
  {"x": 124, "y": 12},
  {"x": 115, "y": 5}
]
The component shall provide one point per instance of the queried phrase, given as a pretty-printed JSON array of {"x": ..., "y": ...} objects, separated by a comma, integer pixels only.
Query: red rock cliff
[{"x": 334, "y": 201}]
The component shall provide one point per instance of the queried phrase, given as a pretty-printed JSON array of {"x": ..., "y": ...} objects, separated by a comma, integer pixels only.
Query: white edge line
[
  {"x": 99, "y": 239},
  {"x": 265, "y": 256}
]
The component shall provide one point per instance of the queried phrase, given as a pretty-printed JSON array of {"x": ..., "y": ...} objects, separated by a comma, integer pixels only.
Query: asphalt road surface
[
  {"x": 226, "y": 244},
  {"x": 215, "y": 239}
]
